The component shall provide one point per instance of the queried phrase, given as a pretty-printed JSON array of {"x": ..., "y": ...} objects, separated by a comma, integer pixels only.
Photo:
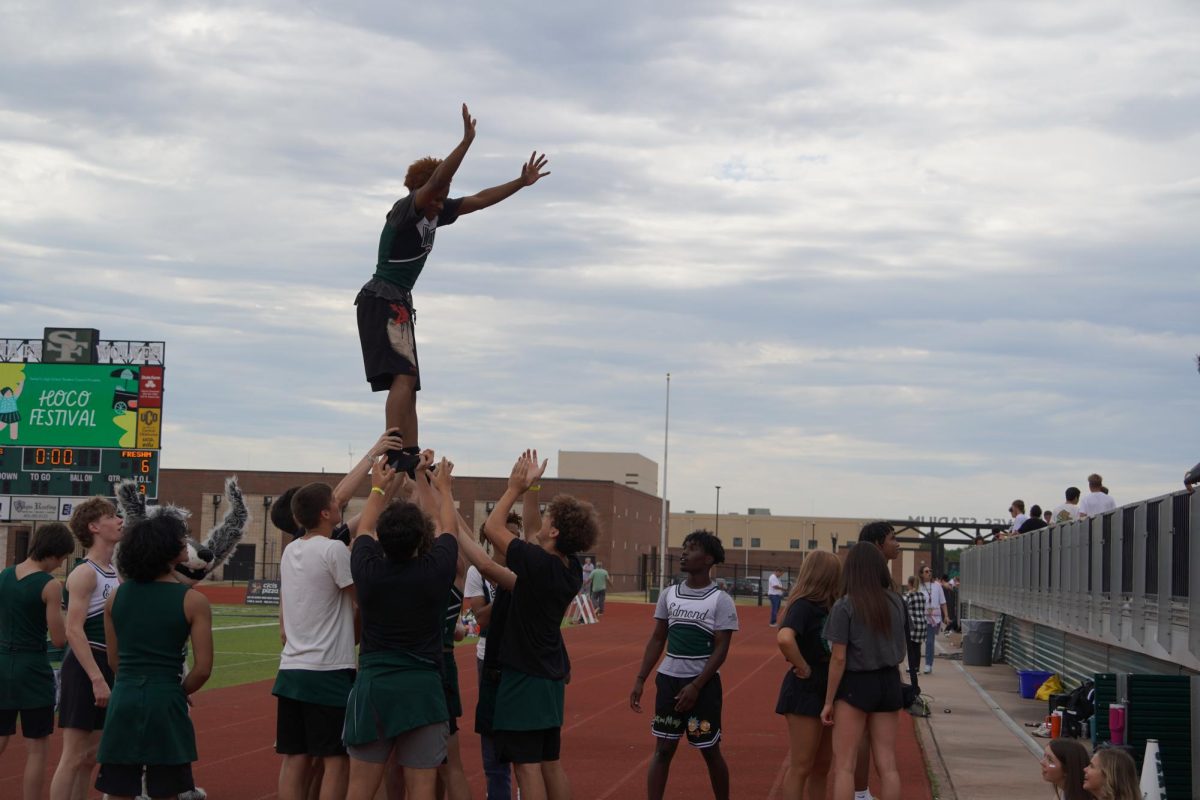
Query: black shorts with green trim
[{"x": 701, "y": 724}]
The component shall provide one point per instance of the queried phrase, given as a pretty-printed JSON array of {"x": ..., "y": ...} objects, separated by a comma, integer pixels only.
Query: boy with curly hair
[
  {"x": 534, "y": 666},
  {"x": 385, "y": 307},
  {"x": 695, "y": 621}
]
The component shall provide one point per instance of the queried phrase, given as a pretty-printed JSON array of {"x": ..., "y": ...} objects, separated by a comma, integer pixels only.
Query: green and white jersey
[{"x": 693, "y": 617}]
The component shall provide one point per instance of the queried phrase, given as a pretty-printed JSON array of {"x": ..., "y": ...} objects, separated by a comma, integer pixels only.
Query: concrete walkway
[{"x": 976, "y": 743}]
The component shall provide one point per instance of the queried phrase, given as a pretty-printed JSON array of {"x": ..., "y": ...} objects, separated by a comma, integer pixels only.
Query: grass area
[{"x": 246, "y": 645}]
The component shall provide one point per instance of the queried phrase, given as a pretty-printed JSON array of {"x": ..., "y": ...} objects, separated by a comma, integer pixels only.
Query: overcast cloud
[{"x": 900, "y": 259}]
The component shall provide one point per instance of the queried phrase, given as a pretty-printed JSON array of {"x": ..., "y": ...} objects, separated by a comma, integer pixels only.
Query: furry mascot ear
[{"x": 223, "y": 539}]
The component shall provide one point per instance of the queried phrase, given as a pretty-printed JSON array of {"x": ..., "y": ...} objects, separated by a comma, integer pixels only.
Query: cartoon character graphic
[{"x": 10, "y": 414}]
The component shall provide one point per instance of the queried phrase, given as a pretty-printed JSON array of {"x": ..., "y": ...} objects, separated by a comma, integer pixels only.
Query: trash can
[
  {"x": 977, "y": 642},
  {"x": 654, "y": 594}
]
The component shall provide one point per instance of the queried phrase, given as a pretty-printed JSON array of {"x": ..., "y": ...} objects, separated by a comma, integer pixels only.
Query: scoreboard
[
  {"x": 76, "y": 471},
  {"x": 77, "y": 416}
]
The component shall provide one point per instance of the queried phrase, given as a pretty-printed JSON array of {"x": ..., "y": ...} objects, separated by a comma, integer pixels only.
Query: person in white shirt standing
[
  {"x": 935, "y": 612},
  {"x": 1068, "y": 511},
  {"x": 1096, "y": 501},
  {"x": 317, "y": 666},
  {"x": 1019, "y": 517},
  {"x": 775, "y": 593}
]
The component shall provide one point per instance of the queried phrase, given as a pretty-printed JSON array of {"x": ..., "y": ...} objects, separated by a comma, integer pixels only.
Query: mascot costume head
[{"x": 203, "y": 558}]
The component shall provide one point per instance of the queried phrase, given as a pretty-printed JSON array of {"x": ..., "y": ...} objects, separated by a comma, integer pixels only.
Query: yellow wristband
[
  {"x": 376, "y": 489},
  {"x": 536, "y": 488}
]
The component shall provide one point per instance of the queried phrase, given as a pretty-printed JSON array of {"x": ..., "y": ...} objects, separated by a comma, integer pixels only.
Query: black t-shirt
[
  {"x": 532, "y": 640},
  {"x": 403, "y": 605},
  {"x": 807, "y": 619},
  {"x": 1032, "y": 524},
  {"x": 501, "y": 603}
]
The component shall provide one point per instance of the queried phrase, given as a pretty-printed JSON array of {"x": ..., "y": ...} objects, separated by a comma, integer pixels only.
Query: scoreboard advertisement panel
[
  {"x": 77, "y": 416},
  {"x": 81, "y": 405}
]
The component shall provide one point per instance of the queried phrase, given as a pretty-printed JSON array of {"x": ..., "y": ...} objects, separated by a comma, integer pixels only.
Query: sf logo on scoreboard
[{"x": 70, "y": 345}]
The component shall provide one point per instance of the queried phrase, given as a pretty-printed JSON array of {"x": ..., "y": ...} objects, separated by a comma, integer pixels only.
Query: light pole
[
  {"x": 717, "y": 515},
  {"x": 662, "y": 536}
]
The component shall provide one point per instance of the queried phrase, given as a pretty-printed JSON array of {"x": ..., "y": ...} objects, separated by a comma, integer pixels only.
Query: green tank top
[
  {"x": 151, "y": 630},
  {"x": 22, "y": 612}
]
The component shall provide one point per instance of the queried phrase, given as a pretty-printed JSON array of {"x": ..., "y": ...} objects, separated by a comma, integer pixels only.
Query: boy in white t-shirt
[{"x": 316, "y": 668}]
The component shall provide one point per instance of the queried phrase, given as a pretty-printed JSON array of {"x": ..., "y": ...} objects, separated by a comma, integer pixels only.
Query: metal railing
[{"x": 1120, "y": 579}]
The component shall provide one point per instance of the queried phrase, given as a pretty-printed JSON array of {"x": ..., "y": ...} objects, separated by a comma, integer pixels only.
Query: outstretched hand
[
  {"x": 390, "y": 440},
  {"x": 526, "y": 472},
  {"x": 468, "y": 125},
  {"x": 531, "y": 172},
  {"x": 382, "y": 474},
  {"x": 443, "y": 476}
]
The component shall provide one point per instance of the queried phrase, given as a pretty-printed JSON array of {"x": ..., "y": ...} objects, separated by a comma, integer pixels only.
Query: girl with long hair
[
  {"x": 802, "y": 694},
  {"x": 1062, "y": 767},
  {"x": 866, "y": 633},
  {"x": 1112, "y": 775}
]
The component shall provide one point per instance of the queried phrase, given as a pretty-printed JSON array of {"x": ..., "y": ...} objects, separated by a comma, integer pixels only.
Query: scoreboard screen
[
  {"x": 75, "y": 471},
  {"x": 78, "y": 415}
]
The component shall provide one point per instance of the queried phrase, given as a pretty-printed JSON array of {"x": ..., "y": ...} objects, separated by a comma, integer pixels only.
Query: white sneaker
[{"x": 926, "y": 669}]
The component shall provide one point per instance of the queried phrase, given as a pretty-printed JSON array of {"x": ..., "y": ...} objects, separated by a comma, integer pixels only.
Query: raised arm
[
  {"x": 525, "y": 473},
  {"x": 439, "y": 181},
  {"x": 348, "y": 486},
  {"x": 382, "y": 477},
  {"x": 531, "y": 173},
  {"x": 531, "y": 512}
]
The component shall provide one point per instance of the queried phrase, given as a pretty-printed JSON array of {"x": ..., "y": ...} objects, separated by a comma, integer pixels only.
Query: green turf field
[{"x": 246, "y": 645}]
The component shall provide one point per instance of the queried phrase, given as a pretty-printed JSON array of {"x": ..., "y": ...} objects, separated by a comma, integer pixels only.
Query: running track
[{"x": 606, "y": 746}]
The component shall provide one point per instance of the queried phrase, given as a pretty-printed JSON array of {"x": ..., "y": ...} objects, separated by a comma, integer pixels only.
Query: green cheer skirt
[{"x": 393, "y": 692}]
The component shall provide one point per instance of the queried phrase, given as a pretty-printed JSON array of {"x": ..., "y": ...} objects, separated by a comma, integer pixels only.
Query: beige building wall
[
  {"x": 767, "y": 533},
  {"x": 624, "y": 469}
]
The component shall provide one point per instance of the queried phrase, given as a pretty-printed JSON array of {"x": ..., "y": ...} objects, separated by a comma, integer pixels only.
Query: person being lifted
[{"x": 386, "y": 315}]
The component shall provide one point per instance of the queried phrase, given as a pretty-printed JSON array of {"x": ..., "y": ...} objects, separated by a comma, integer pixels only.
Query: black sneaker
[{"x": 404, "y": 461}]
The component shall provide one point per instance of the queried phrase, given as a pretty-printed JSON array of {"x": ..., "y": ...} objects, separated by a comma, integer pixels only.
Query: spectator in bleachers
[
  {"x": 1097, "y": 500},
  {"x": 1191, "y": 478},
  {"x": 1069, "y": 510},
  {"x": 1046, "y": 515},
  {"x": 1017, "y": 510},
  {"x": 1034, "y": 521}
]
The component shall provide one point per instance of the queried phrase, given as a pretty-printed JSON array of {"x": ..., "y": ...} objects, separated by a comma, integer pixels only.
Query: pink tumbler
[{"x": 1116, "y": 723}]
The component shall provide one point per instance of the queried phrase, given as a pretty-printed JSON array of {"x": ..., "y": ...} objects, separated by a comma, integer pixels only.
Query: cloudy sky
[{"x": 899, "y": 258}]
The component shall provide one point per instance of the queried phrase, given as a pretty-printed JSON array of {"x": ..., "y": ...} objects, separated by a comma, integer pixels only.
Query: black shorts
[
  {"x": 702, "y": 724},
  {"x": 36, "y": 723},
  {"x": 125, "y": 780},
  {"x": 77, "y": 703},
  {"x": 874, "y": 691},
  {"x": 528, "y": 747},
  {"x": 388, "y": 337},
  {"x": 308, "y": 729}
]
